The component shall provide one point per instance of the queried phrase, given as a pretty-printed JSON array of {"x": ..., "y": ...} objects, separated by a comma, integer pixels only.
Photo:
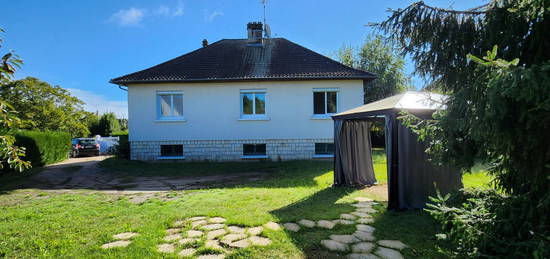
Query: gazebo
[{"x": 411, "y": 177}]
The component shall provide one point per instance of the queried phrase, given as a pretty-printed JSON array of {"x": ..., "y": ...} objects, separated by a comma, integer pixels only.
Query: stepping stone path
[{"x": 186, "y": 237}]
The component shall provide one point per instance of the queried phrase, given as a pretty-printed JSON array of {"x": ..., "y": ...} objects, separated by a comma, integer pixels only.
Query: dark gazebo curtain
[{"x": 352, "y": 153}]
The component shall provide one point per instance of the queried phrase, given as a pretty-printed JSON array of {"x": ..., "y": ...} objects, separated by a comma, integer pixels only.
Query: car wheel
[{"x": 97, "y": 153}]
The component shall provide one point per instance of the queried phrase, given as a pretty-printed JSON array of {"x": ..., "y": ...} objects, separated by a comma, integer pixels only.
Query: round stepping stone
[
  {"x": 179, "y": 223},
  {"x": 307, "y": 223},
  {"x": 364, "y": 236},
  {"x": 216, "y": 220},
  {"x": 361, "y": 214},
  {"x": 366, "y": 210},
  {"x": 346, "y": 239},
  {"x": 362, "y": 256},
  {"x": 125, "y": 235},
  {"x": 395, "y": 244},
  {"x": 187, "y": 252},
  {"x": 172, "y": 237},
  {"x": 197, "y": 218},
  {"x": 232, "y": 237},
  {"x": 363, "y": 247},
  {"x": 166, "y": 248},
  {"x": 259, "y": 241},
  {"x": 171, "y": 231},
  {"x": 347, "y": 217},
  {"x": 362, "y": 199},
  {"x": 214, "y": 244},
  {"x": 343, "y": 222},
  {"x": 363, "y": 204},
  {"x": 212, "y": 256},
  {"x": 272, "y": 225},
  {"x": 235, "y": 230},
  {"x": 199, "y": 223},
  {"x": 216, "y": 233},
  {"x": 334, "y": 245},
  {"x": 255, "y": 231},
  {"x": 194, "y": 233},
  {"x": 120, "y": 243},
  {"x": 326, "y": 224},
  {"x": 244, "y": 243},
  {"x": 188, "y": 240},
  {"x": 213, "y": 226},
  {"x": 291, "y": 227},
  {"x": 365, "y": 221},
  {"x": 388, "y": 253},
  {"x": 365, "y": 228}
]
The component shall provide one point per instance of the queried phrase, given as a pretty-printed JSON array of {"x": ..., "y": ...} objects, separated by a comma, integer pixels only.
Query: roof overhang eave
[{"x": 203, "y": 80}]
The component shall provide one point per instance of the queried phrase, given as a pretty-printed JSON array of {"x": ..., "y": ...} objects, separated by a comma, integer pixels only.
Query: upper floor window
[
  {"x": 170, "y": 105},
  {"x": 325, "y": 101},
  {"x": 253, "y": 103}
]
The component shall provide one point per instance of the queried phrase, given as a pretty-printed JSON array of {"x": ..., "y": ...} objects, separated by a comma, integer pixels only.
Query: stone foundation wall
[{"x": 228, "y": 150}]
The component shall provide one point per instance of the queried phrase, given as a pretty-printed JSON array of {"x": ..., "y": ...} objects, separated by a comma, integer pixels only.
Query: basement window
[
  {"x": 324, "y": 149},
  {"x": 254, "y": 151},
  {"x": 171, "y": 151}
]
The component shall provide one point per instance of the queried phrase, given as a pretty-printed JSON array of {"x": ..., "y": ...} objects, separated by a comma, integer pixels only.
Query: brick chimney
[{"x": 255, "y": 32}]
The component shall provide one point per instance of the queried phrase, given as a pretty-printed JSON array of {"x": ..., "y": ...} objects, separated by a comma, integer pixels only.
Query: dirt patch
[
  {"x": 379, "y": 191},
  {"x": 77, "y": 175}
]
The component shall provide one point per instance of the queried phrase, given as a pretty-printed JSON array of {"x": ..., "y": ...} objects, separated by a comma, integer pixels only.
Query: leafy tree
[
  {"x": 494, "y": 62},
  {"x": 10, "y": 154},
  {"x": 47, "y": 107},
  {"x": 123, "y": 124},
  {"x": 108, "y": 123},
  {"x": 92, "y": 122},
  {"x": 380, "y": 57}
]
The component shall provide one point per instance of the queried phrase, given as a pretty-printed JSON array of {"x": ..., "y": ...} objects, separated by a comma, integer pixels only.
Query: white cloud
[
  {"x": 134, "y": 16},
  {"x": 96, "y": 102},
  {"x": 208, "y": 17},
  {"x": 170, "y": 12},
  {"x": 128, "y": 17}
]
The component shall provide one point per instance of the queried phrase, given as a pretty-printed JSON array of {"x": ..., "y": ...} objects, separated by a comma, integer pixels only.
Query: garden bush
[
  {"x": 476, "y": 222},
  {"x": 43, "y": 148},
  {"x": 123, "y": 144}
]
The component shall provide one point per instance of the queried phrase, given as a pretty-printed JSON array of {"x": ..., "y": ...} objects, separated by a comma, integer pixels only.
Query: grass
[{"x": 35, "y": 223}]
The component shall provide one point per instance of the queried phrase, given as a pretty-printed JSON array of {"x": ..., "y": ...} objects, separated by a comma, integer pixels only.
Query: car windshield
[{"x": 87, "y": 142}]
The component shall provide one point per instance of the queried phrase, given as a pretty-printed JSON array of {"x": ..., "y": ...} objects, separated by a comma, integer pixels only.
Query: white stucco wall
[{"x": 212, "y": 111}]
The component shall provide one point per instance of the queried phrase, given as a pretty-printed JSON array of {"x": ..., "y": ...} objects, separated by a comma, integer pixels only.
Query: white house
[{"x": 235, "y": 99}]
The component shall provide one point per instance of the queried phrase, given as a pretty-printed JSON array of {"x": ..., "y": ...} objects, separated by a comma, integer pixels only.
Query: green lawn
[{"x": 38, "y": 223}]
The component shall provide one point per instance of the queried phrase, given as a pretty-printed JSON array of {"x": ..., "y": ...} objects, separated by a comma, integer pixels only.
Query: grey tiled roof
[{"x": 236, "y": 60}]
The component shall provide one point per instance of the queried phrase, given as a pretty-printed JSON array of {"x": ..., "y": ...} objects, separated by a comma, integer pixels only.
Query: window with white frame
[
  {"x": 170, "y": 105},
  {"x": 253, "y": 103},
  {"x": 325, "y": 101}
]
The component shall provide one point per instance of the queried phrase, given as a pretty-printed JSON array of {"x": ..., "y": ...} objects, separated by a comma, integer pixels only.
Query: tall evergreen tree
[{"x": 494, "y": 62}]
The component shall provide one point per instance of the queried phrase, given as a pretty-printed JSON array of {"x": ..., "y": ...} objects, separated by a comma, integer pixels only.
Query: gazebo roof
[{"x": 409, "y": 100}]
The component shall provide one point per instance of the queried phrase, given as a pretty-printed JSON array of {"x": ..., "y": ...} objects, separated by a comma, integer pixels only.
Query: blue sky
[{"x": 80, "y": 45}]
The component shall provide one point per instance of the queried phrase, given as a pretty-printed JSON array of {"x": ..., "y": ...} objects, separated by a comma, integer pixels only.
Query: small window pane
[
  {"x": 331, "y": 102},
  {"x": 247, "y": 103},
  {"x": 319, "y": 102},
  {"x": 178, "y": 105},
  {"x": 254, "y": 149},
  {"x": 165, "y": 103},
  {"x": 260, "y": 103},
  {"x": 171, "y": 150},
  {"x": 324, "y": 148}
]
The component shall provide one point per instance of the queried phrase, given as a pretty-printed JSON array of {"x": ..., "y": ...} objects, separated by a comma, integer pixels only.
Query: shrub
[
  {"x": 476, "y": 221},
  {"x": 43, "y": 148},
  {"x": 123, "y": 144}
]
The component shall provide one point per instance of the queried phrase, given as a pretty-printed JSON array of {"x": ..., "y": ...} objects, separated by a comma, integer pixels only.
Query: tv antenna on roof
[{"x": 267, "y": 30}]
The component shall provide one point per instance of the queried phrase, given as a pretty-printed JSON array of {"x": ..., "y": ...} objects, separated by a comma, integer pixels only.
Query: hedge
[
  {"x": 123, "y": 144},
  {"x": 43, "y": 148}
]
